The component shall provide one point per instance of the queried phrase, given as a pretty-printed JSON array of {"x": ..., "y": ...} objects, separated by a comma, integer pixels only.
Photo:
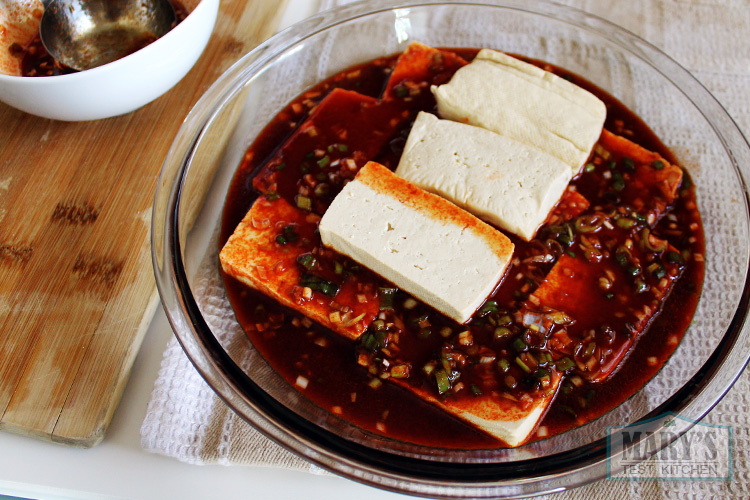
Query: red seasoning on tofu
[{"x": 588, "y": 310}]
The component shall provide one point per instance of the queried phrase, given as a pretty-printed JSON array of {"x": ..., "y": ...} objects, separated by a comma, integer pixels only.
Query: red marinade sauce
[
  {"x": 337, "y": 381},
  {"x": 36, "y": 61}
]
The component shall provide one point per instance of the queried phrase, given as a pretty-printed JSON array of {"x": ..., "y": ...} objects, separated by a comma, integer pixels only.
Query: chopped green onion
[
  {"x": 590, "y": 167},
  {"x": 401, "y": 90},
  {"x": 652, "y": 243},
  {"x": 589, "y": 349},
  {"x": 625, "y": 223},
  {"x": 373, "y": 341},
  {"x": 400, "y": 371},
  {"x": 503, "y": 364},
  {"x": 272, "y": 196},
  {"x": 378, "y": 325},
  {"x": 309, "y": 155},
  {"x": 338, "y": 267},
  {"x": 308, "y": 261},
  {"x": 281, "y": 166},
  {"x": 519, "y": 345},
  {"x": 589, "y": 223},
  {"x": 488, "y": 307},
  {"x": 657, "y": 270},
  {"x": 288, "y": 235},
  {"x": 641, "y": 286},
  {"x": 657, "y": 165},
  {"x": 564, "y": 364},
  {"x": 304, "y": 203},
  {"x": 475, "y": 390},
  {"x": 375, "y": 383},
  {"x": 322, "y": 189},
  {"x": 542, "y": 374},
  {"x": 443, "y": 384},
  {"x": 522, "y": 365},
  {"x": 618, "y": 183},
  {"x": 446, "y": 332},
  {"x": 386, "y": 298},
  {"x": 628, "y": 164},
  {"x": 343, "y": 148},
  {"x": 502, "y": 332},
  {"x": 324, "y": 162},
  {"x": 674, "y": 258},
  {"x": 319, "y": 284}
]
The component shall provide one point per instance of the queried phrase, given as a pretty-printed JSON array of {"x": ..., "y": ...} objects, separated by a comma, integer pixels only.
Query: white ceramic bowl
[{"x": 121, "y": 86}]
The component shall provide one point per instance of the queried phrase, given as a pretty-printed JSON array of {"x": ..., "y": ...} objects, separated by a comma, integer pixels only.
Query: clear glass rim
[{"x": 374, "y": 467}]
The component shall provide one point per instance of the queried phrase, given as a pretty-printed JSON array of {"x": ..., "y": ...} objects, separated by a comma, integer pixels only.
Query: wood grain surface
[{"x": 76, "y": 281}]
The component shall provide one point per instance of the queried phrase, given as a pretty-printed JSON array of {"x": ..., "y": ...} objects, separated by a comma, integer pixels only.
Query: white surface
[
  {"x": 119, "y": 468},
  {"x": 505, "y": 182},
  {"x": 118, "y": 87}
]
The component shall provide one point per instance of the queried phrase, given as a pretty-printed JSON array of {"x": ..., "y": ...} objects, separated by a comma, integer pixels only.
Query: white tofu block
[
  {"x": 500, "y": 180},
  {"x": 425, "y": 245},
  {"x": 524, "y": 102},
  {"x": 511, "y": 421}
]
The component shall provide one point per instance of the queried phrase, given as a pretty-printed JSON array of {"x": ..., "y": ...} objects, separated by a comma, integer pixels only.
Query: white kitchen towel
[{"x": 711, "y": 39}]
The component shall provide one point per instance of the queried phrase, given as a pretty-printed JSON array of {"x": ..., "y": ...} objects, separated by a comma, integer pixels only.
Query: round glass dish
[{"x": 213, "y": 140}]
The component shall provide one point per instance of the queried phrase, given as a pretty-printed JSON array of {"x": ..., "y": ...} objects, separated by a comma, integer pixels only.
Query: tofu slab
[
  {"x": 359, "y": 124},
  {"x": 419, "y": 66},
  {"x": 521, "y": 101},
  {"x": 575, "y": 288},
  {"x": 253, "y": 256},
  {"x": 509, "y": 420},
  {"x": 505, "y": 182},
  {"x": 422, "y": 243},
  {"x": 653, "y": 184}
]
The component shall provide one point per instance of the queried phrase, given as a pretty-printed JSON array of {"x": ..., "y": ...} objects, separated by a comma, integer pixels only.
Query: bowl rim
[{"x": 375, "y": 467}]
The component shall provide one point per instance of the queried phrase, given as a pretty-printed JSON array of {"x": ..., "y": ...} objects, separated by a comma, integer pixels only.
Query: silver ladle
[{"x": 84, "y": 34}]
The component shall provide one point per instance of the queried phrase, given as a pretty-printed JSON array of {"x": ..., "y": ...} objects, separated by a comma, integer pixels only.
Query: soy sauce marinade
[{"x": 341, "y": 372}]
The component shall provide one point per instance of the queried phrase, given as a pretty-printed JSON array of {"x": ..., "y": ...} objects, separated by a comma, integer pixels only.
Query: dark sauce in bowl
[
  {"x": 36, "y": 61},
  {"x": 335, "y": 379}
]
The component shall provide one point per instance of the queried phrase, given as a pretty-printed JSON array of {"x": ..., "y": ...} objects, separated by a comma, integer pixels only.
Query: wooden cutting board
[{"x": 76, "y": 283}]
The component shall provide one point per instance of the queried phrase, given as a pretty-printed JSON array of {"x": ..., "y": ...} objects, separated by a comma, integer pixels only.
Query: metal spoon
[{"x": 84, "y": 34}]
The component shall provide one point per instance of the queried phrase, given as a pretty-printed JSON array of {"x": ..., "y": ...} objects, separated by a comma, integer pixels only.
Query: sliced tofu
[
  {"x": 526, "y": 103},
  {"x": 422, "y": 243},
  {"x": 571, "y": 205},
  {"x": 498, "y": 179},
  {"x": 574, "y": 287},
  {"x": 346, "y": 128},
  {"x": 509, "y": 420},
  {"x": 652, "y": 185},
  {"x": 418, "y": 67},
  {"x": 253, "y": 256}
]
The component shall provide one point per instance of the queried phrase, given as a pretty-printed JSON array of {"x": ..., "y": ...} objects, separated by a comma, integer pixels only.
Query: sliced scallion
[{"x": 443, "y": 383}]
